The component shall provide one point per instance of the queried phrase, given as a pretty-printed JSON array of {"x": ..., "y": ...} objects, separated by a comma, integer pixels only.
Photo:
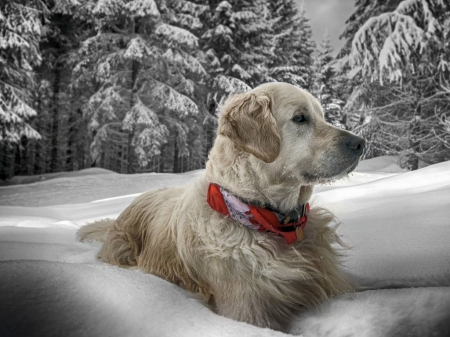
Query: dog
[{"x": 243, "y": 235}]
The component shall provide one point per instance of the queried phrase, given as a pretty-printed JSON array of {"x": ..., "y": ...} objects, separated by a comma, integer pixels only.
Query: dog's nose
[{"x": 355, "y": 144}]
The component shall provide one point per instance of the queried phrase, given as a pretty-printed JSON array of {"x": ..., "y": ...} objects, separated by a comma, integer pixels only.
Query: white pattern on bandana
[{"x": 238, "y": 210}]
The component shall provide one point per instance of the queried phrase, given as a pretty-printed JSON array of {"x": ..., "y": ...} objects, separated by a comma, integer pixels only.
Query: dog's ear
[{"x": 248, "y": 121}]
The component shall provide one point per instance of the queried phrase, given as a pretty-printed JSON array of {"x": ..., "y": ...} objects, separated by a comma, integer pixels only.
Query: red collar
[{"x": 262, "y": 219}]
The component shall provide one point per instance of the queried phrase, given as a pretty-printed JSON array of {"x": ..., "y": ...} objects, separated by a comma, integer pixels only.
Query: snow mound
[
  {"x": 84, "y": 187},
  {"x": 400, "y": 224},
  {"x": 391, "y": 312},
  {"x": 18, "y": 180},
  {"x": 366, "y": 171},
  {"x": 60, "y": 299},
  {"x": 396, "y": 223},
  {"x": 388, "y": 164}
]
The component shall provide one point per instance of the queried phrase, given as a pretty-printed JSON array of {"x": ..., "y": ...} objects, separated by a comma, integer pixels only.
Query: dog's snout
[{"x": 355, "y": 144}]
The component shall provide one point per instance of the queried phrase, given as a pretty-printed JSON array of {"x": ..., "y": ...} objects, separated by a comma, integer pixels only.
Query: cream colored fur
[{"x": 250, "y": 276}]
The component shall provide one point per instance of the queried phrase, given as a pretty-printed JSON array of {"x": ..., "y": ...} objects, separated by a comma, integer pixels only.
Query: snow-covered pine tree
[
  {"x": 62, "y": 133},
  {"x": 356, "y": 90},
  {"x": 236, "y": 47},
  {"x": 39, "y": 151},
  {"x": 397, "y": 39},
  {"x": 326, "y": 81},
  {"x": 364, "y": 10},
  {"x": 20, "y": 31},
  {"x": 183, "y": 128},
  {"x": 293, "y": 45},
  {"x": 407, "y": 46},
  {"x": 149, "y": 134},
  {"x": 139, "y": 65}
]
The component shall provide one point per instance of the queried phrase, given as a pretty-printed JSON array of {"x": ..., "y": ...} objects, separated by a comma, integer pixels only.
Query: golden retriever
[{"x": 272, "y": 146}]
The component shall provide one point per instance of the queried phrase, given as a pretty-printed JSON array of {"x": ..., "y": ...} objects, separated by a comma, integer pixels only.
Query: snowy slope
[
  {"x": 52, "y": 285},
  {"x": 85, "y": 185}
]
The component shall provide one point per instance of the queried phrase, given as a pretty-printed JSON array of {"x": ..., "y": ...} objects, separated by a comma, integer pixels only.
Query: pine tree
[
  {"x": 357, "y": 89},
  {"x": 405, "y": 46},
  {"x": 62, "y": 30},
  {"x": 20, "y": 29},
  {"x": 398, "y": 38},
  {"x": 293, "y": 45},
  {"x": 39, "y": 156},
  {"x": 20, "y": 32},
  {"x": 326, "y": 81},
  {"x": 365, "y": 9},
  {"x": 236, "y": 47},
  {"x": 140, "y": 64}
]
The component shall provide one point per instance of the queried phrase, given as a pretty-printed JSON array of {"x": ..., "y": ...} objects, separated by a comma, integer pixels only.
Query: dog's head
[{"x": 284, "y": 128}]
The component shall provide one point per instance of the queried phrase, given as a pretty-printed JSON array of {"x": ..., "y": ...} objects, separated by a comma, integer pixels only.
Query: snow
[
  {"x": 17, "y": 180},
  {"x": 387, "y": 164},
  {"x": 137, "y": 49},
  {"x": 177, "y": 35},
  {"x": 143, "y": 8},
  {"x": 392, "y": 39},
  {"x": 396, "y": 222},
  {"x": 175, "y": 101},
  {"x": 86, "y": 185}
]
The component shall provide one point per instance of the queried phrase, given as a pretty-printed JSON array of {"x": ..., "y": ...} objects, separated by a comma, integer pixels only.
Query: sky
[{"x": 328, "y": 15}]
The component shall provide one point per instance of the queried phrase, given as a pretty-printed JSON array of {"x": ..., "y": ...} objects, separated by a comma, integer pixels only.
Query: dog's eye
[{"x": 300, "y": 119}]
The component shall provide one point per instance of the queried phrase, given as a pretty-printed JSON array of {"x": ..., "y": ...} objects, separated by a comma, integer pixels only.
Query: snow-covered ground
[{"x": 398, "y": 224}]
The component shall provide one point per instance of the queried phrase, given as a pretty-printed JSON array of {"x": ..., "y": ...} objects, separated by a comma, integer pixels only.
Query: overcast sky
[{"x": 328, "y": 14}]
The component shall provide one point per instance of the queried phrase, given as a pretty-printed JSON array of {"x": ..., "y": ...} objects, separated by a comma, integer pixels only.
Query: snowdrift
[{"x": 397, "y": 225}]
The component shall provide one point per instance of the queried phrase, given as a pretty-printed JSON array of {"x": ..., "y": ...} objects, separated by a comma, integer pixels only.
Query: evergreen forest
[{"x": 136, "y": 85}]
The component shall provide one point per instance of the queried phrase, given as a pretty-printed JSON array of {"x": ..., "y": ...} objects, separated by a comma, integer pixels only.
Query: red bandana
[{"x": 261, "y": 219}]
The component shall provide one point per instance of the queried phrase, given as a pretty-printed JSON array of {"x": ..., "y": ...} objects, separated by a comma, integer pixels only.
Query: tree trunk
[
  {"x": 39, "y": 151},
  {"x": 13, "y": 161},
  {"x": 55, "y": 166},
  {"x": 130, "y": 153},
  {"x": 414, "y": 141},
  {"x": 4, "y": 154},
  {"x": 39, "y": 145},
  {"x": 175, "y": 154},
  {"x": 31, "y": 156},
  {"x": 71, "y": 147},
  {"x": 134, "y": 76}
]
